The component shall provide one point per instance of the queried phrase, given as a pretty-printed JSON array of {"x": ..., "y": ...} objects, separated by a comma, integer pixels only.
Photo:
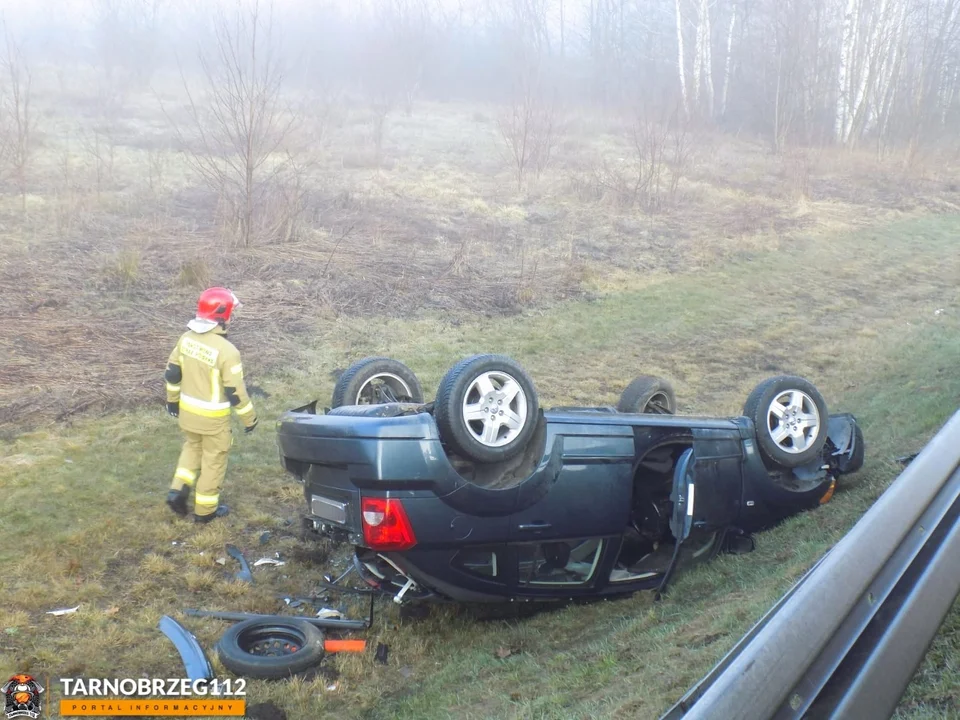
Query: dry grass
[
  {"x": 98, "y": 285},
  {"x": 862, "y": 325},
  {"x": 832, "y": 267}
]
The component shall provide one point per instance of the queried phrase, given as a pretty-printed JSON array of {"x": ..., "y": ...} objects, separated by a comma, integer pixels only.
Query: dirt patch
[
  {"x": 97, "y": 286},
  {"x": 94, "y": 333}
]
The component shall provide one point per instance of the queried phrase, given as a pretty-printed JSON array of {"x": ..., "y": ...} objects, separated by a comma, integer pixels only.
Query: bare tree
[
  {"x": 405, "y": 30},
  {"x": 99, "y": 142},
  {"x": 528, "y": 122},
  {"x": 127, "y": 40},
  {"x": 16, "y": 118},
  {"x": 661, "y": 154},
  {"x": 241, "y": 126},
  {"x": 609, "y": 48},
  {"x": 938, "y": 31},
  {"x": 528, "y": 127}
]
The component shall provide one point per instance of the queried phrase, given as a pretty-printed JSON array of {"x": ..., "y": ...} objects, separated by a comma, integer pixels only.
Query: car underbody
[{"x": 594, "y": 501}]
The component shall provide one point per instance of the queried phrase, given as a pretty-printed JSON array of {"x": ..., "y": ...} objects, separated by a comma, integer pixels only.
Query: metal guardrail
[{"x": 847, "y": 638}]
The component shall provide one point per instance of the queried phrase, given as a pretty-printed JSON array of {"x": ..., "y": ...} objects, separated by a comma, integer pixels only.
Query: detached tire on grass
[
  {"x": 271, "y": 649},
  {"x": 487, "y": 408},
  {"x": 377, "y": 380},
  {"x": 648, "y": 394},
  {"x": 790, "y": 416}
]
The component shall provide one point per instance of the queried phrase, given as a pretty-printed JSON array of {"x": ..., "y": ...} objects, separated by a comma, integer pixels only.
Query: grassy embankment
[{"x": 856, "y": 312}]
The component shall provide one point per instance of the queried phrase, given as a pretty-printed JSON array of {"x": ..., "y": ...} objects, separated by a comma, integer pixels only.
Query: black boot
[
  {"x": 177, "y": 500},
  {"x": 221, "y": 511}
]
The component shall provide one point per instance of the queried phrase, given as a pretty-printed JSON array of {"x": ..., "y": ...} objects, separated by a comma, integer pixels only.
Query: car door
[
  {"x": 590, "y": 497},
  {"x": 699, "y": 501},
  {"x": 704, "y": 488},
  {"x": 717, "y": 464},
  {"x": 559, "y": 544}
]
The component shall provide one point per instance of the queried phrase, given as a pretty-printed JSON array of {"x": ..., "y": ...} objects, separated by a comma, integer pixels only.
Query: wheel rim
[
  {"x": 659, "y": 404},
  {"x": 383, "y": 388},
  {"x": 271, "y": 642},
  {"x": 793, "y": 421},
  {"x": 495, "y": 409}
]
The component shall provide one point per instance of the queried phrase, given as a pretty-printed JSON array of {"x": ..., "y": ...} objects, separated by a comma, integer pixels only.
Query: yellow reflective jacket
[{"x": 204, "y": 374}]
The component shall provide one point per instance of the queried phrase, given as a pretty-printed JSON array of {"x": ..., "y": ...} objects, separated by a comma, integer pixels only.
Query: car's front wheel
[
  {"x": 790, "y": 417},
  {"x": 487, "y": 408}
]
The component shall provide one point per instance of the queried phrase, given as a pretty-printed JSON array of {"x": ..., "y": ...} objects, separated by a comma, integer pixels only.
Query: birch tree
[
  {"x": 681, "y": 60},
  {"x": 850, "y": 24},
  {"x": 728, "y": 59},
  {"x": 702, "y": 64}
]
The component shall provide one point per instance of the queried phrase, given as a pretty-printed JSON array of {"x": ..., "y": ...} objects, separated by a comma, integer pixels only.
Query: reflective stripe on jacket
[{"x": 205, "y": 375}]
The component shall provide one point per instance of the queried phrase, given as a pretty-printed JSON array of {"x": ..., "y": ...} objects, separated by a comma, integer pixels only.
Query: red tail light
[{"x": 386, "y": 525}]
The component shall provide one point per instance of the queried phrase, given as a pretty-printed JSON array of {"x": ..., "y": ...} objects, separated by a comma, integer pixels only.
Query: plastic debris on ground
[
  {"x": 63, "y": 611},
  {"x": 269, "y": 561},
  {"x": 244, "y": 574}
]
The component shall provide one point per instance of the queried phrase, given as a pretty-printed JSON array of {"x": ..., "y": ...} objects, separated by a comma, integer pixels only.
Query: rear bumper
[
  {"x": 428, "y": 587},
  {"x": 375, "y": 449},
  {"x": 341, "y": 457}
]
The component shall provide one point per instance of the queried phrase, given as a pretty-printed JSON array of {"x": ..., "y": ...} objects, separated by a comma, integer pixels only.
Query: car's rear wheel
[
  {"x": 790, "y": 416},
  {"x": 648, "y": 394},
  {"x": 377, "y": 380},
  {"x": 487, "y": 408}
]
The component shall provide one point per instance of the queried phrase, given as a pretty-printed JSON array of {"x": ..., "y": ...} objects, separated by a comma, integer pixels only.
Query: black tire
[
  {"x": 457, "y": 387},
  {"x": 757, "y": 409},
  {"x": 354, "y": 386},
  {"x": 236, "y": 649},
  {"x": 648, "y": 394}
]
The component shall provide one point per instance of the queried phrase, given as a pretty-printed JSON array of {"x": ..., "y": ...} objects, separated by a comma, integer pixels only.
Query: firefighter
[{"x": 204, "y": 378}]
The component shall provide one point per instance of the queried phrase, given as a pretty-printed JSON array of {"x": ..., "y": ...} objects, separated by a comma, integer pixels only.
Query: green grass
[{"x": 854, "y": 312}]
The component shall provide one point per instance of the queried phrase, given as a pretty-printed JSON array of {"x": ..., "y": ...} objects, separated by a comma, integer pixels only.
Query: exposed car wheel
[
  {"x": 271, "y": 649},
  {"x": 790, "y": 416},
  {"x": 487, "y": 408},
  {"x": 648, "y": 394},
  {"x": 377, "y": 380}
]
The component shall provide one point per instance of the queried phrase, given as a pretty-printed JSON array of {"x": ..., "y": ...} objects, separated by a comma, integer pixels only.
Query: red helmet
[{"x": 216, "y": 304}]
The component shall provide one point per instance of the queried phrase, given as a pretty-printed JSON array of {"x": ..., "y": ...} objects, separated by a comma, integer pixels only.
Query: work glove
[
  {"x": 173, "y": 409},
  {"x": 251, "y": 428}
]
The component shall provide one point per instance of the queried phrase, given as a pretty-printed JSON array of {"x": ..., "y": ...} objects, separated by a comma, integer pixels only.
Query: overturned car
[{"x": 484, "y": 496}]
